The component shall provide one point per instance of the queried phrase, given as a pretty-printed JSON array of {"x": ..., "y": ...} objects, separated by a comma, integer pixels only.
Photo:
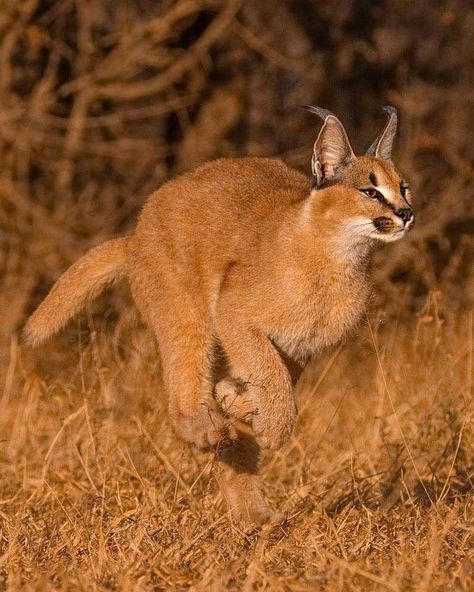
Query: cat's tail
[{"x": 80, "y": 284}]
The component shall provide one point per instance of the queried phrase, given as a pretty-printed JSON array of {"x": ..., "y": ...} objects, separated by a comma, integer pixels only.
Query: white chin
[{"x": 388, "y": 238}]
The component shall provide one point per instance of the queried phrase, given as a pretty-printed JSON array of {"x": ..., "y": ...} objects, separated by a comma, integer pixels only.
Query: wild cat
[{"x": 244, "y": 271}]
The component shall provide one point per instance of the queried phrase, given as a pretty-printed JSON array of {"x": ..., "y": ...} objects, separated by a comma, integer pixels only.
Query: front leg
[{"x": 267, "y": 391}]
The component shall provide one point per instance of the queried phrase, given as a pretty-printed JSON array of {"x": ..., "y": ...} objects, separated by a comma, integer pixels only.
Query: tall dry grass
[
  {"x": 96, "y": 493},
  {"x": 100, "y": 102}
]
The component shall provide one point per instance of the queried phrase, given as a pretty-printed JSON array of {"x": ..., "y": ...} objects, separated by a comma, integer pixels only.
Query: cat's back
[
  {"x": 226, "y": 189},
  {"x": 199, "y": 223},
  {"x": 250, "y": 182}
]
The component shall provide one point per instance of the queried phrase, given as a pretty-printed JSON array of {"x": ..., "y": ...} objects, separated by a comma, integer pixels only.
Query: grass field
[{"x": 96, "y": 493}]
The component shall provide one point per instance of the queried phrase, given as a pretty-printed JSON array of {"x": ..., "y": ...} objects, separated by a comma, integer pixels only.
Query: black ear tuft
[
  {"x": 382, "y": 146},
  {"x": 323, "y": 113}
]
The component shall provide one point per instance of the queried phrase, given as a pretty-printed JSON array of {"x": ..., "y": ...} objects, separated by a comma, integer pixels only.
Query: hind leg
[
  {"x": 185, "y": 345},
  {"x": 186, "y": 361},
  {"x": 238, "y": 479}
]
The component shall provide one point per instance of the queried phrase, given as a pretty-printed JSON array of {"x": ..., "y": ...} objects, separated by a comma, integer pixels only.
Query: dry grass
[
  {"x": 376, "y": 483},
  {"x": 101, "y": 101}
]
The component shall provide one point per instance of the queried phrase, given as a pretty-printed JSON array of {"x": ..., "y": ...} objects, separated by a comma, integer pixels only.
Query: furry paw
[
  {"x": 273, "y": 424},
  {"x": 234, "y": 400},
  {"x": 204, "y": 426},
  {"x": 272, "y": 419}
]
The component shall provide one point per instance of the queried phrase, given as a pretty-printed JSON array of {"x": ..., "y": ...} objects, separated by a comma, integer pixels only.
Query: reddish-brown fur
[{"x": 244, "y": 273}]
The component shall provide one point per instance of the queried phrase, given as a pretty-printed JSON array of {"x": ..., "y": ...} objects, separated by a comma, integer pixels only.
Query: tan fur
[
  {"x": 243, "y": 273},
  {"x": 80, "y": 284}
]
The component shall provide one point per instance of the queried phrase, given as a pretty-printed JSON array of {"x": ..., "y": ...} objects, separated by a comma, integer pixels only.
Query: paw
[
  {"x": 249, "y": 516},
  {"x": 275, "y": 418},
  {"x": 244, "y": 499},
  {"x": 234, "y": 400},
  {"x": 249, "y": 509},
  {"x": 204, "y": 426},
  {"x": 272, "y": 419}
]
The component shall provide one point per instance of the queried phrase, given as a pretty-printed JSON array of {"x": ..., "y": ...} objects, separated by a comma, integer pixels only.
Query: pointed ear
[
  {"x": 332, "y": 150},
  {"x": 382, "y": 146}
]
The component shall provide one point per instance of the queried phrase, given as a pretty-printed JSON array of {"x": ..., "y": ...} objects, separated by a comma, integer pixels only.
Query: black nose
[{"x": 406, "y": 214}]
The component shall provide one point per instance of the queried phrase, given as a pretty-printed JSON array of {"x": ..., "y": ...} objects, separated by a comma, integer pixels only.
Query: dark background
[{"x": 101, "y": 101}]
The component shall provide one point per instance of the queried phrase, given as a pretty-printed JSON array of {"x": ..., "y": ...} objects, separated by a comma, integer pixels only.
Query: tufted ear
[
  {"x": 382, "y": 146},
  {"x": 332, "y": 150}
]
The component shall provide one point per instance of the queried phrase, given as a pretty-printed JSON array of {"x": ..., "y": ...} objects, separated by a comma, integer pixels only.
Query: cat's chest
[{"x": 321, "y": 314}]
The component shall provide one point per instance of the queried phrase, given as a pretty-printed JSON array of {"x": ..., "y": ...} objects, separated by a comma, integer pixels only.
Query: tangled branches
[{"x": 101, "y": 102}]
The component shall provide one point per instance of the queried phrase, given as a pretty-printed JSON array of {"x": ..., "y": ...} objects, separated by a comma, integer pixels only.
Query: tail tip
[{"x": 31, "y": 335}]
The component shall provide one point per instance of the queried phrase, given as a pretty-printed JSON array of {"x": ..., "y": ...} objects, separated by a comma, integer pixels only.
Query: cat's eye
[
  {"x": 371, "y": 192},
  {"x": 403, "y": 190}
]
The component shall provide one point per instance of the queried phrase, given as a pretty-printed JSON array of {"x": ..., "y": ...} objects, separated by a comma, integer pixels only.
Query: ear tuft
[
  {"x": 332, "y": 151},
  {"x": 323, "y": 113},
  {"x": 382, "y": 146}
]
